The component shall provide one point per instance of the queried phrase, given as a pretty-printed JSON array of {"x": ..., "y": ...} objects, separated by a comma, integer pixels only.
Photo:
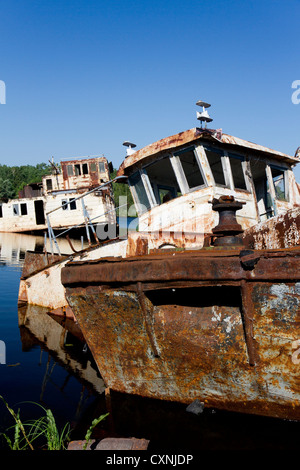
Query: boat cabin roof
[{"x": 191, "y": 136}]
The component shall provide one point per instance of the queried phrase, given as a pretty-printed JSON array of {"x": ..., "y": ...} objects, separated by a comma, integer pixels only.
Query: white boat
[{"x": 57, "y": 203}]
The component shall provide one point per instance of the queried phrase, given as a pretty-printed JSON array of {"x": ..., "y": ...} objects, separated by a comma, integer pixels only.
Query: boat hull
[{"x": 220, "y": 326}]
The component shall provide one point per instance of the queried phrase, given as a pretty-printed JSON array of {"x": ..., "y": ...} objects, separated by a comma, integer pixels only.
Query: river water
[{"x": 41, "y": 363}]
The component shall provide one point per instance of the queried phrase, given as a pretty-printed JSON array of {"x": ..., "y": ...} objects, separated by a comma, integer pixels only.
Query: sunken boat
[
  {"x": 63, "y": 200},
  {"x": 205, "y": 304}
]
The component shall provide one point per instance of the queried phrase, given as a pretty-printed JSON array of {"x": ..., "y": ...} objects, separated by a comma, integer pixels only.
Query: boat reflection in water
[
  {"x": 13, "y": 246},
  {"x": 63, "y": 341}
]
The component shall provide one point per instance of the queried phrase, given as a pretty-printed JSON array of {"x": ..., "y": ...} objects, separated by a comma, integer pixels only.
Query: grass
[{"x": 29, "y": 435}]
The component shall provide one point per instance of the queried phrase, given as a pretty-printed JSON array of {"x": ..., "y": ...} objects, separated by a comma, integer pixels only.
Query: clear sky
[{"x": 82, "y": 76}]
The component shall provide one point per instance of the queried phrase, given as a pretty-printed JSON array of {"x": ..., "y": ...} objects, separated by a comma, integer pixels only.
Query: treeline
[{"x": 14, "y": 178}]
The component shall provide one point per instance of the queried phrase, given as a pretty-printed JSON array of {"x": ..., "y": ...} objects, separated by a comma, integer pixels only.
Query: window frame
[
  {"x": 49, "y": 184},
  {"x": 84, "y": 169},
  {"x": 224, "y": 165},
  {"x": 22, "y": 206},
  {"x": 155, "y": 190},
  {"x": 285, "y": 181},
  {"x": 104, "y": 170},
  {"x": 243, "y": 161},
  {"x": 183, "y": 179},
  {"x": 70, "y": 170},
  {"x": 16, "y": 210},
  {"x": 140, "y": 207}
]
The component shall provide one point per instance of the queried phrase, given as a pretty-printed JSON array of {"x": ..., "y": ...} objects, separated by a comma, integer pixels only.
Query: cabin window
[
  {"x": 72, "y": 204},
  {"x": 163, "y": 180},
  {"x": 49, "y": 184},
  {"x": 238, "y": 176},
  {"x": 1, "y": 212},
  {"x": 214, "y": 158},
  {"x": 190, "y": 168},
  {"x": 70, "y": 170},
  {"x": 77, "y": 170},
  {"x": 279, "y": 183},
  {"x": 64, "y": 204},
  {"x": 85, "y": 169},
  {"x": 139, "y": 192},
  {"x": 93, "y": 167},
  {"x": 23, "y": 208},
  {"x": 102, "y": 167},
  {"x": 16, "y": 209}
]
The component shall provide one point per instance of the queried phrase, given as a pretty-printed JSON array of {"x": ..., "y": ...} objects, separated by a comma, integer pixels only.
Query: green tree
[
  {"x": 6, "y": 189},
  {"x": 14, "y": 178},
  {"x": 122, "y": 189}
]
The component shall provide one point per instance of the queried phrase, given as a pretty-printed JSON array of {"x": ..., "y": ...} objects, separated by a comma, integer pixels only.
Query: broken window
[
  {"x": 16, "y": 209},
  {"x": 49, "y": 184},
  {"x": 64, "y": 204},
  {"x": 23, "y": 208},
  {"x": 214, "y": 158},
  {"x": 236, "y": 164},
  {"x": 139, "y": 192},
  {"x": 262, "y": 190},
  {"x": 190, "y": 168},
  {"x": 102, "y": 167},
  {"x": 85, "y": 169},
  {"x": 70, "y": 170},
  {"x": 163, "y": 180},
  {"x": 72, "y": 204},
  {"x": 279, "y": 183},
  {"x": 1, "y": 212},
  {"x": 77, "y": 170}
]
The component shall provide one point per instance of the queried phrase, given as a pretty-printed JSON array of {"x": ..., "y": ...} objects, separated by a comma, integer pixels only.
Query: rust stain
[{"x": 282, "y": 231}]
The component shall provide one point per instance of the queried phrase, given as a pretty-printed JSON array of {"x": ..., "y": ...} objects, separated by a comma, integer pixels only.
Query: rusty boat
[
  {"x": 204, "y": 302},
  {"x": 172, "y": 182},
  {"x": 73, "y": 193}
]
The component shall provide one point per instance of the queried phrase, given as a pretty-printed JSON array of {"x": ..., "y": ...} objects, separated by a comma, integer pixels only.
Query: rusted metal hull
[{"x": 218, "y": 325}]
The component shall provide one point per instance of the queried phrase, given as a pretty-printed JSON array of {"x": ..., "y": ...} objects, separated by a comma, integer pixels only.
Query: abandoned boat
[
  {"x": 57, "y": 202},
  {"x": 220, "y": 324},
  {"x": 201, "y": 304}
]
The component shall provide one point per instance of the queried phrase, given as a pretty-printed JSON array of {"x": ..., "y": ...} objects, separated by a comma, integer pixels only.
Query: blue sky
[{"x": 82, "y": 76}]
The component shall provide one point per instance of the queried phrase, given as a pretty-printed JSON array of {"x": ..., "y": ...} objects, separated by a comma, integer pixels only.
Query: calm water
[{"x": 46, "y": 365}]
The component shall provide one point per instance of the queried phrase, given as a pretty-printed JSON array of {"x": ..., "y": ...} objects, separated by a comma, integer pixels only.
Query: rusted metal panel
[
  {"x": 204, "y": 265},
  {"x": 35, "y": 262},
  {"x": 202, "y": 350},
  {"x": 282, "y": 231}
]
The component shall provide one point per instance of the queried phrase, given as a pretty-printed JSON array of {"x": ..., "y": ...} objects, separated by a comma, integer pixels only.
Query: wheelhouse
[{"x": 198, "y": 164}]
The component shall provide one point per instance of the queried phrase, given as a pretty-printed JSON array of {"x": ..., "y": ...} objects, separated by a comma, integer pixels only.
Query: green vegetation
[
  {"x": 14, "y": 178},
  {"x": 119, "y": 190},
  {"x": 42, "y": 433}
]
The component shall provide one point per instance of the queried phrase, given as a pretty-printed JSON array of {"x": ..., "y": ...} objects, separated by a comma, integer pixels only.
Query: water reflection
[
  {"x": 63, "y": 342},
  {"x": 14, "y": 245}
]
